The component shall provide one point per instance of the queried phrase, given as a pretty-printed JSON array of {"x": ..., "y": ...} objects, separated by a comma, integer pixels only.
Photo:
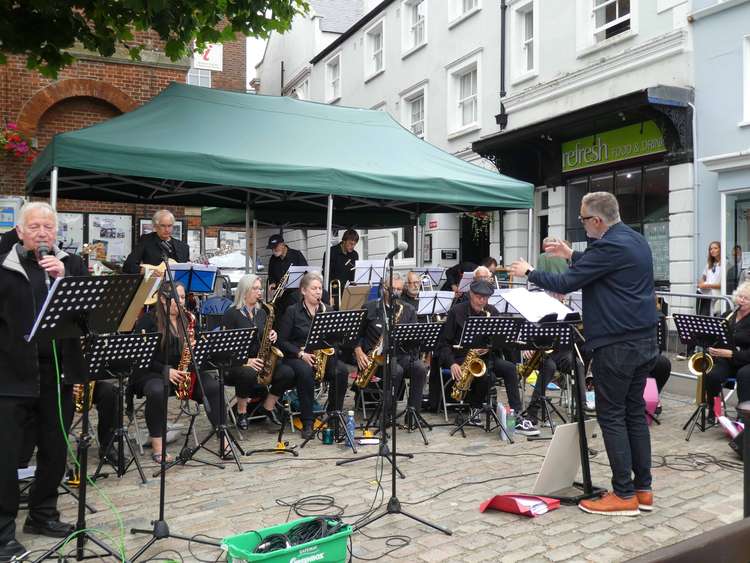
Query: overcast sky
[{"x": 255, "y": 49}]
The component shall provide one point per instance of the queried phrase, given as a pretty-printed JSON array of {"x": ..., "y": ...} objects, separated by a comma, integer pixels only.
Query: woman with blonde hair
[{"x": 710, "y": 280}]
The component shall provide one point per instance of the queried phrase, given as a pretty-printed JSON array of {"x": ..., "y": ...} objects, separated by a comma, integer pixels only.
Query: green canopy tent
[{"x": 272, "y": 155}]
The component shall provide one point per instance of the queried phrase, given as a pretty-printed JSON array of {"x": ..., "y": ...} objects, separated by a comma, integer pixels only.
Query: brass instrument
[
  {"x": 335, "y": 292},
  {"x": 320, "y": 361},
  {"x": 526, "y": 368},
  {"x": 268, "y": 353},
  {"x": 700, "y": 363},
  {"x": 376, "y": 357},
  {"x": 472, "y": 367},
  {"x": 185, "y": 388},
  {"x": 80, "y": 398}
]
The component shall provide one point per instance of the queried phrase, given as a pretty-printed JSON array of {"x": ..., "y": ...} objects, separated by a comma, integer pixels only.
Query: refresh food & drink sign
[{"x": 631, "y": 141}]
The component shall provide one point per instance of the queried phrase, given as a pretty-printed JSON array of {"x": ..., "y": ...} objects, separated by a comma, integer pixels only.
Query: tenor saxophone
[
  {"x": 80, "y": 400},
  {"x": 376, "y": 357},
  {"x": 472, "y": 367},
  {"x": 185, "y": 389},
  {"x": 268, "y": 353},
  {"x": 320, "y": 358}
]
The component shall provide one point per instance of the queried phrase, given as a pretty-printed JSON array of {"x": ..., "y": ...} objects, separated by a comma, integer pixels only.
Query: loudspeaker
[{"x": 736, "y": 443}]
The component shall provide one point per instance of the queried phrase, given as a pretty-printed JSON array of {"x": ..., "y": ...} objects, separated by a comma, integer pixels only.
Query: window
[
  {"x": 333, "y": 78},
  {"x": 461, "y": 10},
  {"x": 414, "y": 108},
  {"x": 611, "y": 17},
  {"x": 199, "y": 77},
  {"x": 528, "y": 40},
  {"x": 414, "y": 20},
  {"x": 301, "y": 91},
  {"x": 467, "y": 97},
  {"x": 416, "y": 115},
  {"x": 374, "y": 54},
  {"x": 463, "y": 94},
  {"x": 468, "y": 5},
  {"x": 524, "y": 28}
]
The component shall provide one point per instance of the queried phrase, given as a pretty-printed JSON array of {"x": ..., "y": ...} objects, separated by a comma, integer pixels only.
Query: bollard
[{"x": 743, "y": 409}]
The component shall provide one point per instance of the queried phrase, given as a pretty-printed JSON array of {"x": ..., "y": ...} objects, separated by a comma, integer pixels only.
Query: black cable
[
  {"x": 468, "y": 483},
  {"x": 194, "y": 556},
  {"x": 155, "y": 556}
]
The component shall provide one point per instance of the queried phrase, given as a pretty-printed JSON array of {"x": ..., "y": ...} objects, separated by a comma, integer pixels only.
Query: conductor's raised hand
[
  {"x": 519, "y": 268},
  {"x": 556, "y": 247}
]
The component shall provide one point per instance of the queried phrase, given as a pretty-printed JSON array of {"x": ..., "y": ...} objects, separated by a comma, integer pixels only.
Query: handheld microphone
[
  {"x": 400, "y": 247},
  {"x": 43, "y": 250}
]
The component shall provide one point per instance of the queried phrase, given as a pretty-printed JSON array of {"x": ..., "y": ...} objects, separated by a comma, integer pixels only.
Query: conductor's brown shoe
[
  {"x": 645, "y": 500},
  {"x": 611, "y": 505}
]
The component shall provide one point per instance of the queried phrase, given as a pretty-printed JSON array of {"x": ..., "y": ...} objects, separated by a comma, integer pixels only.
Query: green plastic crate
[{"x": 331, "y": 549}]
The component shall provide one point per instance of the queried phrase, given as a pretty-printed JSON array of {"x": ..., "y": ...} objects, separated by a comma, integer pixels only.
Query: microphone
[
  {"x": 400, "y": 247},
  {"x": 44, "y": 250}
]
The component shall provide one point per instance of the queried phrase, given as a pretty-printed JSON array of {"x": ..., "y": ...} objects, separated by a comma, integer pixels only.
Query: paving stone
[{"x": 564, "y": 553}]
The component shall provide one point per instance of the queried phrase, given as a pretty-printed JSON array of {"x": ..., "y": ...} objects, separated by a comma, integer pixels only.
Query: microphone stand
[
  {"x": 394, "y": 504},
  {"x": 161, "y": 530}
]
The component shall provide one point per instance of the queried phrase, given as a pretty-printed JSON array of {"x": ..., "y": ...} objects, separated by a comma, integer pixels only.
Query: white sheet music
[
  {"x": 295, "y": 275},
  {"x": 498, "y": 301},
  {"x": 442, "y": 301},
  {"x": 533, "y": 305},
  {"x": 369, "y": 271},
  {"x": 465, "y": 281},
  {"x": 435, "y": 274}
]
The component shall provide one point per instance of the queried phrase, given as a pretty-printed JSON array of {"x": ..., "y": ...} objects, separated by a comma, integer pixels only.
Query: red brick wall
[{"x": 234, "y": 67}]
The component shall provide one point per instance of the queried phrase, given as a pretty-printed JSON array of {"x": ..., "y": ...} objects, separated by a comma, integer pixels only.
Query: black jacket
[
  {"x": 739, "y": 333},
  {"x": 234, "y": 318},
  {"x": 19, "y": 360},
  {"x": 277, "y": 266},
  {"x": 294, "y": 326},
  {"x": 451, "y": 333},
  {"x": 149, "y": 251},
  {"x": 342, "y": 265},
  {"x": 616, "y": 274},
  {"x": 147, "y": 324},
  {"x": 373, "y": 327}
]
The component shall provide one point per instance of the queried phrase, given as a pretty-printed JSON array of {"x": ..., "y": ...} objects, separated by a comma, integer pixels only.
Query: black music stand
[
  {"x": 492, "y": 333},
  {"x": 434, "y": 302},
  {"x": 117, "y": 356},
  {"x": 702, "y": 332},
  {"x": 223, "y": 348},
  {"x": 83, "y": 307},
  {"x": 541, "y": 338},
  {"x": 327, "y": 330},
  {"x": 411, "y": 338}
]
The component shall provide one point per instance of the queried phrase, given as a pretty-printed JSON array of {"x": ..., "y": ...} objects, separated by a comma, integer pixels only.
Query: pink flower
[{"x": 12, "y": 126}]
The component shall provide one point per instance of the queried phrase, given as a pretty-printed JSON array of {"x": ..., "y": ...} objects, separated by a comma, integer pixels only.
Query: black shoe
[
  {"x": 50, "y": 528},
  {"x": 307, "y": 431},
  {"x": 242, "y": 423},
  {"x": 10, "y": 549}
]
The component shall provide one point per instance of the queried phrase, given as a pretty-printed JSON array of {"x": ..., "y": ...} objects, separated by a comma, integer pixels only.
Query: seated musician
[
  {"x": 452, "y": 358},
  {"x": 734, "y": 362},
  {"x": 246, "y": 312},
  {"x": 293, "y": 329},
  {"x": 148, "y": 383},
  {"x": 407, "y": 363},
  {"x": 151, "y": 247}
]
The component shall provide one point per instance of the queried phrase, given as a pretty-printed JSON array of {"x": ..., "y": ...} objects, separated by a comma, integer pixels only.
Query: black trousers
[
  {"x": 105, "y": 400},
  {"x": 556, "y": 361},
  {"x": 416, "y": 371},
  {"x": 153, "y": 390},
  {"x": 722, "y": 370},
  {"x": 51, "y": 455},
  {"x": 303, "y": 376},
  {"x": 661, "y": 371}
]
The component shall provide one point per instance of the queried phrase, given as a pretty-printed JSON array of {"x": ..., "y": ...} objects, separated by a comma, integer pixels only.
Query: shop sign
[
  {"x": 624, "y": 143},
  {"x": 211, "y": 58},
  {"x": 433, "y": 224}
]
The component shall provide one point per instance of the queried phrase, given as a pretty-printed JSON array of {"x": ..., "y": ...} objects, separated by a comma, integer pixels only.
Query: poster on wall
[
  {"x": 9, "y": 208},
  {"x": 70, "y": 232},
  {"x": 232, "y": 239},
  {"x": 194, "y": 242},
  {"x": 111, "y": 236}
]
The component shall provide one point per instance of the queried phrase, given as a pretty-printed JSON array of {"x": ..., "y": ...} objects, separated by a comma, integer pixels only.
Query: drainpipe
[
  {"x": 502, "y": 118},
  {"x": 696, "y": 185}
]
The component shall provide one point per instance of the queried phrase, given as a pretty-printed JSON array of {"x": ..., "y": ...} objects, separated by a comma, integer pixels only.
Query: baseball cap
[{"x": 274, "y": 240}]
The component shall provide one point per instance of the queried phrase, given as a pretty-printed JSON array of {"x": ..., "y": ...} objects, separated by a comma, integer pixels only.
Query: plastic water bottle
[
  {"x": 350, "y": 426},
  {"x": 511, "y": 422},
  {"x": 503, "y": 419}
]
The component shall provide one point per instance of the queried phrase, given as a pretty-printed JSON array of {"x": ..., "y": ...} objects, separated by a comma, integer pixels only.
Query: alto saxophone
[
  {"x": 376, "y": 357},
  {"x": 268, "y": 353},
  {"x": 320, "y": 358},
  {"x": 472, "y": 367},
  {"x": 185, "y": 389},
  {"x": 80, "y": 400}
]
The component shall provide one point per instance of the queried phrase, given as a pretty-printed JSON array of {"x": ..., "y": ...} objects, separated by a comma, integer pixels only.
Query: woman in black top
[
  {"x": 246, "y": 312},
  {"x": 293, "y": 329},
  {"x": 148, "y": 383},
  {"x": 736, "y": 361}
]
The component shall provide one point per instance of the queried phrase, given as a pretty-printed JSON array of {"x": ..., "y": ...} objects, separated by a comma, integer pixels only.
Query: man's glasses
[{"x": 586, "y": 218}]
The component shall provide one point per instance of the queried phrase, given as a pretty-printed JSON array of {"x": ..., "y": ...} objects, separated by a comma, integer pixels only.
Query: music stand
[
  {"x": 435, "y": 274},
  {"x": 498, "y": 302},
  {"x": 197, "y": 278},
  {"x": 295, "y": 275},
  {"x": 368, "y": 272},
  {"x": 117, "y": 356},
  {"x": 492, "y": 333},
  {"x": 83, "y": 306},
  {"x": 408, "y": 337},
  {"x": 434, "y": 302},
  {"x": 542, "y": 338},
  {"x": 465, "y": 282},
  {"x": 223, "y": 349},
  {"x": 328, "y": 329},
  {"x": 702, "y": 332}
]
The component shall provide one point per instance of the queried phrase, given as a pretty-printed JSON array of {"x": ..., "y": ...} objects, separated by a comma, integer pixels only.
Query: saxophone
[
  {"x": 525, "y": 369},
  {"x": 321, "y": 359},
  {"x": 80, "y": 400},
  {"x": 185, "y": 388},
  {"x": 472, "y": 367},
  {"x": 376, "y": 357},
  {"x": 268, "y": 353}
]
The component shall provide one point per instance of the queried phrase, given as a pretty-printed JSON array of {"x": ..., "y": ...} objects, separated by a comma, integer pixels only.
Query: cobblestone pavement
[{"x": 445, "y": 482}]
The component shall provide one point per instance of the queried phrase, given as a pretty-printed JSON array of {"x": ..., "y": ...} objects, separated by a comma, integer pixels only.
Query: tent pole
[
  {"x": 247, "y": 237},
  {"x": 530, "y": 245},
  {"x": 53, "y": 188},
  {"x": 255, "y": 246},
  {"x": 329, "y": 228}
]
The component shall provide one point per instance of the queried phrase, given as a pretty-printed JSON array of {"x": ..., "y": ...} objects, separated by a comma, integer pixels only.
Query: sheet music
[
  {"x": 369, "y": 271},
  {"x": 533, "y": 305},
  {"x": 50, "y": 295},
  {"x": 498, "y": 301},
  {"x": 295, "y": 275},
  {"x": 442, "y": 301},
  {"x": 435, "y": 274},
  {"x": 465, "y": 281}
]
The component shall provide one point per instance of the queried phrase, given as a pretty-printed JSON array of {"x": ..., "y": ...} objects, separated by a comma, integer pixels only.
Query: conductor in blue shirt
[{"x": 616, "y": 275}]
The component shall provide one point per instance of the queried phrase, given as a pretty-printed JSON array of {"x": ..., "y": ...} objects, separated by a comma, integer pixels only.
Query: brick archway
[{"x": 32, "y": 111}]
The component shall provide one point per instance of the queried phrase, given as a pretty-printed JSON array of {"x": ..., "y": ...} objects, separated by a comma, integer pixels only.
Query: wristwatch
[{"x": 529, "y": 271}]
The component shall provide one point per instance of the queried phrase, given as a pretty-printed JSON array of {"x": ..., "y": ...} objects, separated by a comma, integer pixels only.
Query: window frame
[
  {"x": 369, "y": 54},
  {"x": 586, "y": 40},
  {"x": 332, "y": 95},
  {"x": 407, "y": 97},
  {"x": 608, "y": 25},
  {"x": 201, "y": 74},
  {"x": 459, "y": 14},
  {"x": 455, "y": 71},
  {"x": 408, "y": 43},
  {"x": 519, "y": 71}
]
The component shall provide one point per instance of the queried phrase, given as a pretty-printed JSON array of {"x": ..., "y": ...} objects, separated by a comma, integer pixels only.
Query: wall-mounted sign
[
  {"x": 433, "y": 224},
  {"x": 624, "y": 143},
  {"x": 211, "y": 58},
  {"x": 449, "y": 254}
]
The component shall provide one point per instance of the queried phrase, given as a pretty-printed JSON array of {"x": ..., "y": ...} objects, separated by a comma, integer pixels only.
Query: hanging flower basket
[
  {"x": 480, "y": 224},
  {"x": 14, "y": 144}
]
